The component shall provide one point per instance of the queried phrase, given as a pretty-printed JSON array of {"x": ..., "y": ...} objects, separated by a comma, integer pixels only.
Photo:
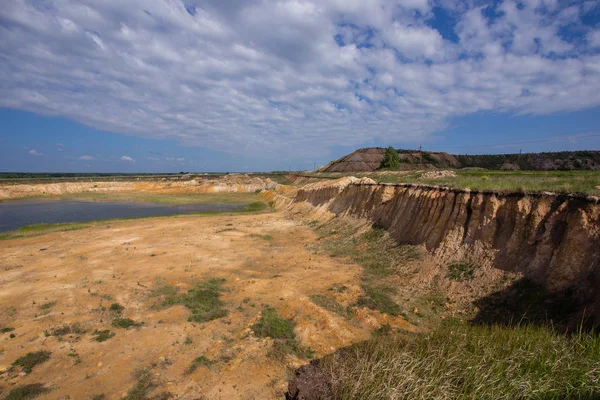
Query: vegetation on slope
[
  {"x": 512, "y": 343},
  {"x": 584, "y": 182},
  {"x": 462, "y": 361}
]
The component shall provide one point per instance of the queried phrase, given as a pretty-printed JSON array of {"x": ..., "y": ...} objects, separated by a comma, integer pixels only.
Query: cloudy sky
[{"x": 238, "y": 85}]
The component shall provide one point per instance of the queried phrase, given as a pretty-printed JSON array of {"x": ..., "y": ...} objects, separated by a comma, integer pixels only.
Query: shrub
[
  {"x": 391, "y": 159},
  {"x": 30, "y": 360}
]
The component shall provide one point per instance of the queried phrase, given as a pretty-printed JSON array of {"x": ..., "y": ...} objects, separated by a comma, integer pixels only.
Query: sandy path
[{"x": 83, "y": 271}]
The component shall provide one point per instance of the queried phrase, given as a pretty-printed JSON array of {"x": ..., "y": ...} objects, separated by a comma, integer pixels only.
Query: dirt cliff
[
  {"x": 228, "y": 183},
  {"x": 550, "y": 239}
]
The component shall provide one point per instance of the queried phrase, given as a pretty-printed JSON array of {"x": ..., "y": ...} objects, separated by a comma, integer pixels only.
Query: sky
[{"x": 261, "y": 85}]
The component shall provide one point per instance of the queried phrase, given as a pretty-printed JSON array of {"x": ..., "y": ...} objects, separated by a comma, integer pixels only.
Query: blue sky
[{"x": 167, "y": 86}]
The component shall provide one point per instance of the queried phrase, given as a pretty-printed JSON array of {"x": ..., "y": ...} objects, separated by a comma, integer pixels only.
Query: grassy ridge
[
  {"x": 507, "y": 181},
  {"x": 584, "y": 182},
  {"x": 461, "y": 361}
]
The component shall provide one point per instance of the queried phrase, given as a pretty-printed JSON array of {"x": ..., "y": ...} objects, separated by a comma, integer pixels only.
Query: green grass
[
  {"x": 272, "y": 324},
  {"x": 379, "y": 256},
  {"x": 203, "y": 301},
  {"x": 378, "y": 298},
  {"x": 6, "y": 329},
  {"x": 30, "y": 360},
  {"x": 116, "y": 308},
  {"x": 41, "y": 229},
  {"x": 126, "y": 323},
  {"x": 102, "y": 336},
  {"x": 26, "y": 392},
  {"x": 330, "y": 304},
  {"x": 201, "y": 361},
  {"x": 264, "y": 237},
  {"x": 59, "y": 332},
  {"x": 144, "y": 386},
  {"x": 585, "y": 182},
  {"x": 47, "y": 306},
  {"x": 461, "y": 361},
  {"x": 462, "y": 271},
  {"x": 283, "y": 347}
]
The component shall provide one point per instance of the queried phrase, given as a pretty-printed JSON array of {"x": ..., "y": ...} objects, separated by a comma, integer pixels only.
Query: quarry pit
[{"x": 280, "y": 258}]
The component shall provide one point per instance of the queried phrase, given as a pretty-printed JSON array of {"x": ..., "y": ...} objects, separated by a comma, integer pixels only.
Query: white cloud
[
  {"x": 127, "y": 158},
  {"x": 175, "y": 159},
  {"x": 60, "y": 147},
  {"x": 152, "y": 158},
  {"x": 86, "y": 158},
  {"x": 270, "y": 78},
  {"x": 35, "y": 153}
]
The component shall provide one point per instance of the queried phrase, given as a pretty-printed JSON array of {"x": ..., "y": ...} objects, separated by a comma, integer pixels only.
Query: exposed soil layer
[
  {"x": 550, "y": 239},
  {"x": 227, "y": 183},
  {"x": 57, "y": 291}
]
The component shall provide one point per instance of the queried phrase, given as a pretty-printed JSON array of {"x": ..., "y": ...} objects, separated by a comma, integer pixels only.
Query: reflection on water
[{"x": 15, "y": 214}]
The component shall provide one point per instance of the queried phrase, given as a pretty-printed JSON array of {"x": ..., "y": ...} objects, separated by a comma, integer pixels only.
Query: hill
[{"x": 369, "y": 159}]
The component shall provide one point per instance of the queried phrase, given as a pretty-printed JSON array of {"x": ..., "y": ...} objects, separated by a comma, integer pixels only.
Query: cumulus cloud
[
  {"x": 86, "y": 158},
  {"x": 291, "y": 78},
  {"x": 127, "y": 158},
  {"x": 35, "y": 153}
]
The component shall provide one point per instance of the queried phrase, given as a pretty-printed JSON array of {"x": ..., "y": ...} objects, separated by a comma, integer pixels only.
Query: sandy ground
[{"x": 87, "y": 270}]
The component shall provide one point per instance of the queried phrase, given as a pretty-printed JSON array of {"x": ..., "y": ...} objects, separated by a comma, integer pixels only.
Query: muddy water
[{"x": 16, "y": 214}]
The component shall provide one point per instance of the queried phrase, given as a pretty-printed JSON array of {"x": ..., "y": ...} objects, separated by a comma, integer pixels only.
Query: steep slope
[{"x": 550, "y": 239}]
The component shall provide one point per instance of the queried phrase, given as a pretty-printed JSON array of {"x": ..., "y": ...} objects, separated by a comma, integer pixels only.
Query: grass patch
[
  {"x": 47, "y": 306},
  {"x": 272, "y": 324},
  {"x": 116, "y": 308},
  {"x": 255, "y": 206},
  {"x": 59, "y": 332},
  {"x": 162, "y": 288},
  {"x": 144, "y": 386},
  {"x": 283, "y": 347},
  {"x": 126, "y": 323},
  {"x": 102, "y": 336},
  {"x": 468, "y": 362},
  {"x": 25, "y": 392},
  {"x": 378, "y": 254},
  {"x": 6, "y": 329},
  {"x": 203, "y": 301},
  {"x": 201, "y": 361},
  {"x": 40, "y": 229},
  {"x": 264, "y": 237},
  {"x": 30, "y": 360},
  {"x": 330, "y": 304},
  {"x": 377, "y": 298},
  {"x": 462, "y": 271},
  {"x": 584, "y": 182}
]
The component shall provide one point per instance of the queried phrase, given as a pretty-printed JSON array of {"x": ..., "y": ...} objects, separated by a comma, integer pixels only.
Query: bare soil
[{"x": 66, "y": 278}]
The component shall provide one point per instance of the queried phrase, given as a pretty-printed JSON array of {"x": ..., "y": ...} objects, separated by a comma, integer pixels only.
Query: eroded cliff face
[
  {"x": 230, "y": 184},
  {"x": 551, "y": 239}
]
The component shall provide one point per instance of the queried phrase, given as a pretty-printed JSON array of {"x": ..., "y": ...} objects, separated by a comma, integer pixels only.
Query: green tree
[{"x": 391, "y": 159}]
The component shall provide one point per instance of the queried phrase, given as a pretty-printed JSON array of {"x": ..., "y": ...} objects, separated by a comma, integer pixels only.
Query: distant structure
[{"x": 369, "y": 159}]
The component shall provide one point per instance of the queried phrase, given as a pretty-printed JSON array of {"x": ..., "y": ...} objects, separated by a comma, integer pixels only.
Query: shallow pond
[{"x": 16, "y": 214}]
